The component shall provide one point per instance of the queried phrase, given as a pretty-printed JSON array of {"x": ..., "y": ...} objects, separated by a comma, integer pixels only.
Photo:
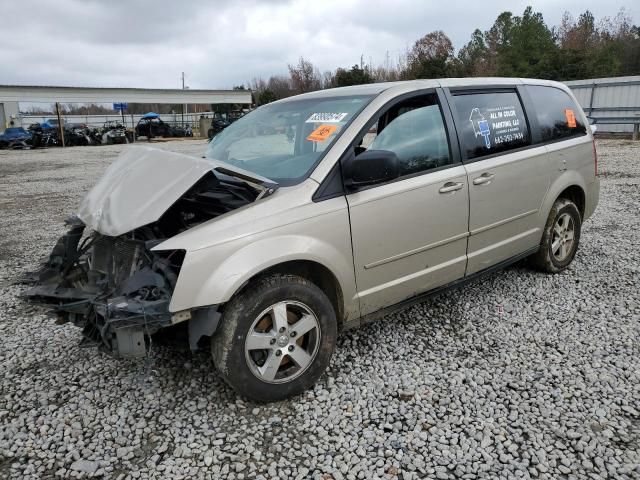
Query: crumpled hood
[{"x": 138, "y": 188}]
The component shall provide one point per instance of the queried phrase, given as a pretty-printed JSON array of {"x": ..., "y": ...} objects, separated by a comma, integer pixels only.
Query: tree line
[{"x": 514, "y": 46}]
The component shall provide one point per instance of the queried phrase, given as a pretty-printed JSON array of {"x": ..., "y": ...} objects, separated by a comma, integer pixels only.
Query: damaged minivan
[{"x": 318, "y": 213}]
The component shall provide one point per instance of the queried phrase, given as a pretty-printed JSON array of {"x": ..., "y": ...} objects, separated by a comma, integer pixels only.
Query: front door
[
  {"x": 410, "y": 235},
  {"x": 508, "y": 179}
]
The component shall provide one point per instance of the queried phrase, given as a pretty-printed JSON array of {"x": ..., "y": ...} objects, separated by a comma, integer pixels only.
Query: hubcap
[
  {"x": 282, "y": 342},
  {"x": 563, "y": 237}
]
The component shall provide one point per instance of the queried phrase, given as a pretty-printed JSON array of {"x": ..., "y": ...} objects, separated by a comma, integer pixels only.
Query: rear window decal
[
  {"x": 571, "y": 118},
  {"x": 321, "y": 133},
  {"x": 326, "y": 117},
  {"x": 490, "y": 122}
]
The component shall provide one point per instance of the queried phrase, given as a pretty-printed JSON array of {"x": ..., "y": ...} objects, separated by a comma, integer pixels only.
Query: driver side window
[{"x": 414, "y": 130}]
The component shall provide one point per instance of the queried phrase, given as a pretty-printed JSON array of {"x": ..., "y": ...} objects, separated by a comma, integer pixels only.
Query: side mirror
[{"x": 370, "y": 168}]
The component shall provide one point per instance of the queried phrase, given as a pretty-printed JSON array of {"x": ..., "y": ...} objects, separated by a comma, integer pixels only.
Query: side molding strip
[
  {"x": 372, "y": 317},
  {"x": 502, "y": 222},
  {"x": 417, "y": 250}
]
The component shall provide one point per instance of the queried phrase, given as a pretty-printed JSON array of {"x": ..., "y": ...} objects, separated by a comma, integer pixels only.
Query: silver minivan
[{"x": 320, "y": 212}]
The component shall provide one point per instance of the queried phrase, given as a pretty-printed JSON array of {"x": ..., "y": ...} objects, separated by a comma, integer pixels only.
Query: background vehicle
[
  {"x": 217, "y": 125},
  {"x": 322, "y": 212},
  {"x": 151, "y": 125},
  {"x": 15, "y": 137},
  {"x": 77, "y": 134},
  {"x": 114, "y": 132},
  {"x": 52, "y": 124},
  {"x": 43, "y": 137}
]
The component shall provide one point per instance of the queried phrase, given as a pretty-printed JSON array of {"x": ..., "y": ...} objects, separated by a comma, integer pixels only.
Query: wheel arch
[
  {"x": 569, "y": 185},
  {"x": 322, "y": 263},
  {"x": 577, "y": 195},
  {"x": 316, "y": 273}
]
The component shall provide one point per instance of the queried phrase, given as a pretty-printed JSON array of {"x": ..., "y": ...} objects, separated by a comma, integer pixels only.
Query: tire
[
  {"x": 294, "y": 359},
  {"x": 552, "y": 258}
]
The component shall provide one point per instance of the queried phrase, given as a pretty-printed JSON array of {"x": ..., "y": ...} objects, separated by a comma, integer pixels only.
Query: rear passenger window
[
  {"x": 490, "y": 122},
  {"x": 558, "y": 115}
]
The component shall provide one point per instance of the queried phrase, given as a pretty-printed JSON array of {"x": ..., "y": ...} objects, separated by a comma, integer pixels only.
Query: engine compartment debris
[{"x": 115, "y": 287}]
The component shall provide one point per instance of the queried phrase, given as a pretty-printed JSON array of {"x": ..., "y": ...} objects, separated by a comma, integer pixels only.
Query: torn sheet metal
[{"x": 138, "y": 188}]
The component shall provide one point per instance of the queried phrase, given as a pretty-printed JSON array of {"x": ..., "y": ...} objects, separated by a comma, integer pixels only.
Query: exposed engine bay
[{"x": 115, "y": 287}]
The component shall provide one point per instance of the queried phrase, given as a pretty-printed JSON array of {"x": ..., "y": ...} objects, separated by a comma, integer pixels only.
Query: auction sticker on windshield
[
  {"x": 326, "y": 117},
  {"x": 321, "y": 133}
]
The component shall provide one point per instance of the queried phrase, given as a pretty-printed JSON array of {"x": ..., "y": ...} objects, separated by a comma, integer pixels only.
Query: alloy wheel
[
  {"x": 563, "y": 237},
  {"x": 282, "y": 342}
]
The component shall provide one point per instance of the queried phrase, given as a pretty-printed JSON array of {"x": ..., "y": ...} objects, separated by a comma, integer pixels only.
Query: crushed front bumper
[{"x": 114, "y": 288}]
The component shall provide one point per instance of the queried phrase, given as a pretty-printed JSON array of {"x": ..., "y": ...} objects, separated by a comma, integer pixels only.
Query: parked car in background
[
  {"x": 77, "y": 134},
  {"x": 114, "y": 132},
  {"x": 151, "y": 125},
  {"x": 52, "y": 124},
  {"x": 42, "y": 138},
  {"x": 322, "y": 212},
  {"x": 15, "y": 137},
  {"x": 217, "y": 125}
]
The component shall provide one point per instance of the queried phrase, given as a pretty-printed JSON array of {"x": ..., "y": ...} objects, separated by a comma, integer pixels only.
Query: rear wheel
[
  {"x": 560, "y": 238},
  {"x": 276, "y": 338}
]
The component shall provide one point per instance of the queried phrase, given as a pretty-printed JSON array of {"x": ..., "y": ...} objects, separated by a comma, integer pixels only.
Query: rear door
[
  {"x": 508, "y": 178},
  {"x": 410, "y": 235},
  {"x": 562, "y": 129}
]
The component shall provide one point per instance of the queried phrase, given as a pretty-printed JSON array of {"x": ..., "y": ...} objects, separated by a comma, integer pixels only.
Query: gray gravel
[{"x": 522, "y": 375}]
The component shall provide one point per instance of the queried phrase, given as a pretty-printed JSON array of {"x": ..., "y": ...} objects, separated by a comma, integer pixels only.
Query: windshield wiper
[{"x": 264, "y": 185}]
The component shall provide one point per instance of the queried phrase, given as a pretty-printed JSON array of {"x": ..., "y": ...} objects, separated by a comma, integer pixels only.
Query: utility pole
[
  {"x": 60, "y": 127},
  {"x": 184, "y": 105}
]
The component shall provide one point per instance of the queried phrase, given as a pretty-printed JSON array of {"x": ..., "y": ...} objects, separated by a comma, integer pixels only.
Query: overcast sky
[{"x": 140, "y": 43}]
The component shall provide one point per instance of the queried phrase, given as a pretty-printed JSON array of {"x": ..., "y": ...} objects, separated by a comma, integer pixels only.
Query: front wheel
[
  {"x": 276, "y": 338},
  {"x": 560, "y": 238}
]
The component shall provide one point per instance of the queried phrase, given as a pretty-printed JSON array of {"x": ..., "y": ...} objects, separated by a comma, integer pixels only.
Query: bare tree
[
  {"x": 328, "y": 80},
  {"x": 280, "y": 86},
  {"x": 304, "y": 77},
  {"x": 430, "y": 57}
]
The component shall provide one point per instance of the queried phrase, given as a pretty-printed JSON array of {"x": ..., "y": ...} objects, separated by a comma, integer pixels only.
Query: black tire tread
[
  {"x": 223, "y": 341},
  {"x": 542, "y": 260}
]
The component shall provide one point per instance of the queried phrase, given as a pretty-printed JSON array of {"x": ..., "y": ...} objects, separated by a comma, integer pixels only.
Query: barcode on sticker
[{"x": 326, "y": 117}]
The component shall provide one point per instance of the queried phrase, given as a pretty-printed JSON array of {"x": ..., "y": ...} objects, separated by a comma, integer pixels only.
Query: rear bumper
[{"x": 592, "y": 198}]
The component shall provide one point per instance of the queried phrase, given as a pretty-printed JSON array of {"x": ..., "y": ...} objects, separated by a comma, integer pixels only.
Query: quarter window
[
  {"x": 490, "y": 122},
  {"x": 558, "y": 115},
  {"x": 414, "y": 130}
]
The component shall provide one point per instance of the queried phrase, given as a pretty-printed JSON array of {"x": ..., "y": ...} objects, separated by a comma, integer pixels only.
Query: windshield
[{"x": 284, "y": 141}]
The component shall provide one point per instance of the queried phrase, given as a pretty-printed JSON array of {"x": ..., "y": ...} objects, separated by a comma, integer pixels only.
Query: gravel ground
[{"x": 522, "y": 375}]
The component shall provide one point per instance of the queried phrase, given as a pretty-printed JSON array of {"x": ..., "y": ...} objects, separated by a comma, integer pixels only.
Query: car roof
[{"x": 373, "y": 89}]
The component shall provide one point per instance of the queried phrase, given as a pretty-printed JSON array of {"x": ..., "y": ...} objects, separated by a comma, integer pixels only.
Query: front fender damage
[
  {"x": 103, "y": 274},
  {"x": 115, "y": 289}
]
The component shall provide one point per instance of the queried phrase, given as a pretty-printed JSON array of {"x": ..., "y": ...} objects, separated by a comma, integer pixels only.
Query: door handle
[
  {"x": 451, "y": 187},
  {"x": 483, "y": 179}
]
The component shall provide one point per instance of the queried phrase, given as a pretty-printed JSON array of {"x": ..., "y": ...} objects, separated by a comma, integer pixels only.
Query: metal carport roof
[{"x": 44, "y": 94}]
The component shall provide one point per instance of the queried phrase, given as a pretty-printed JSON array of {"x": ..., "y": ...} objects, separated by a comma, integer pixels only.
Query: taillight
[{"x": 595, "y": 157}]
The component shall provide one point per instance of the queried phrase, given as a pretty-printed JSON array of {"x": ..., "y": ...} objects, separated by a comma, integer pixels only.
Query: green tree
[
  {"x": 498, "y": 41},
  {"x": 265, "y": 96},
  {"x": 472, "y": 57},
  {"x": 355, "y": 76},
  {"x": 527, "y": 47}
]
